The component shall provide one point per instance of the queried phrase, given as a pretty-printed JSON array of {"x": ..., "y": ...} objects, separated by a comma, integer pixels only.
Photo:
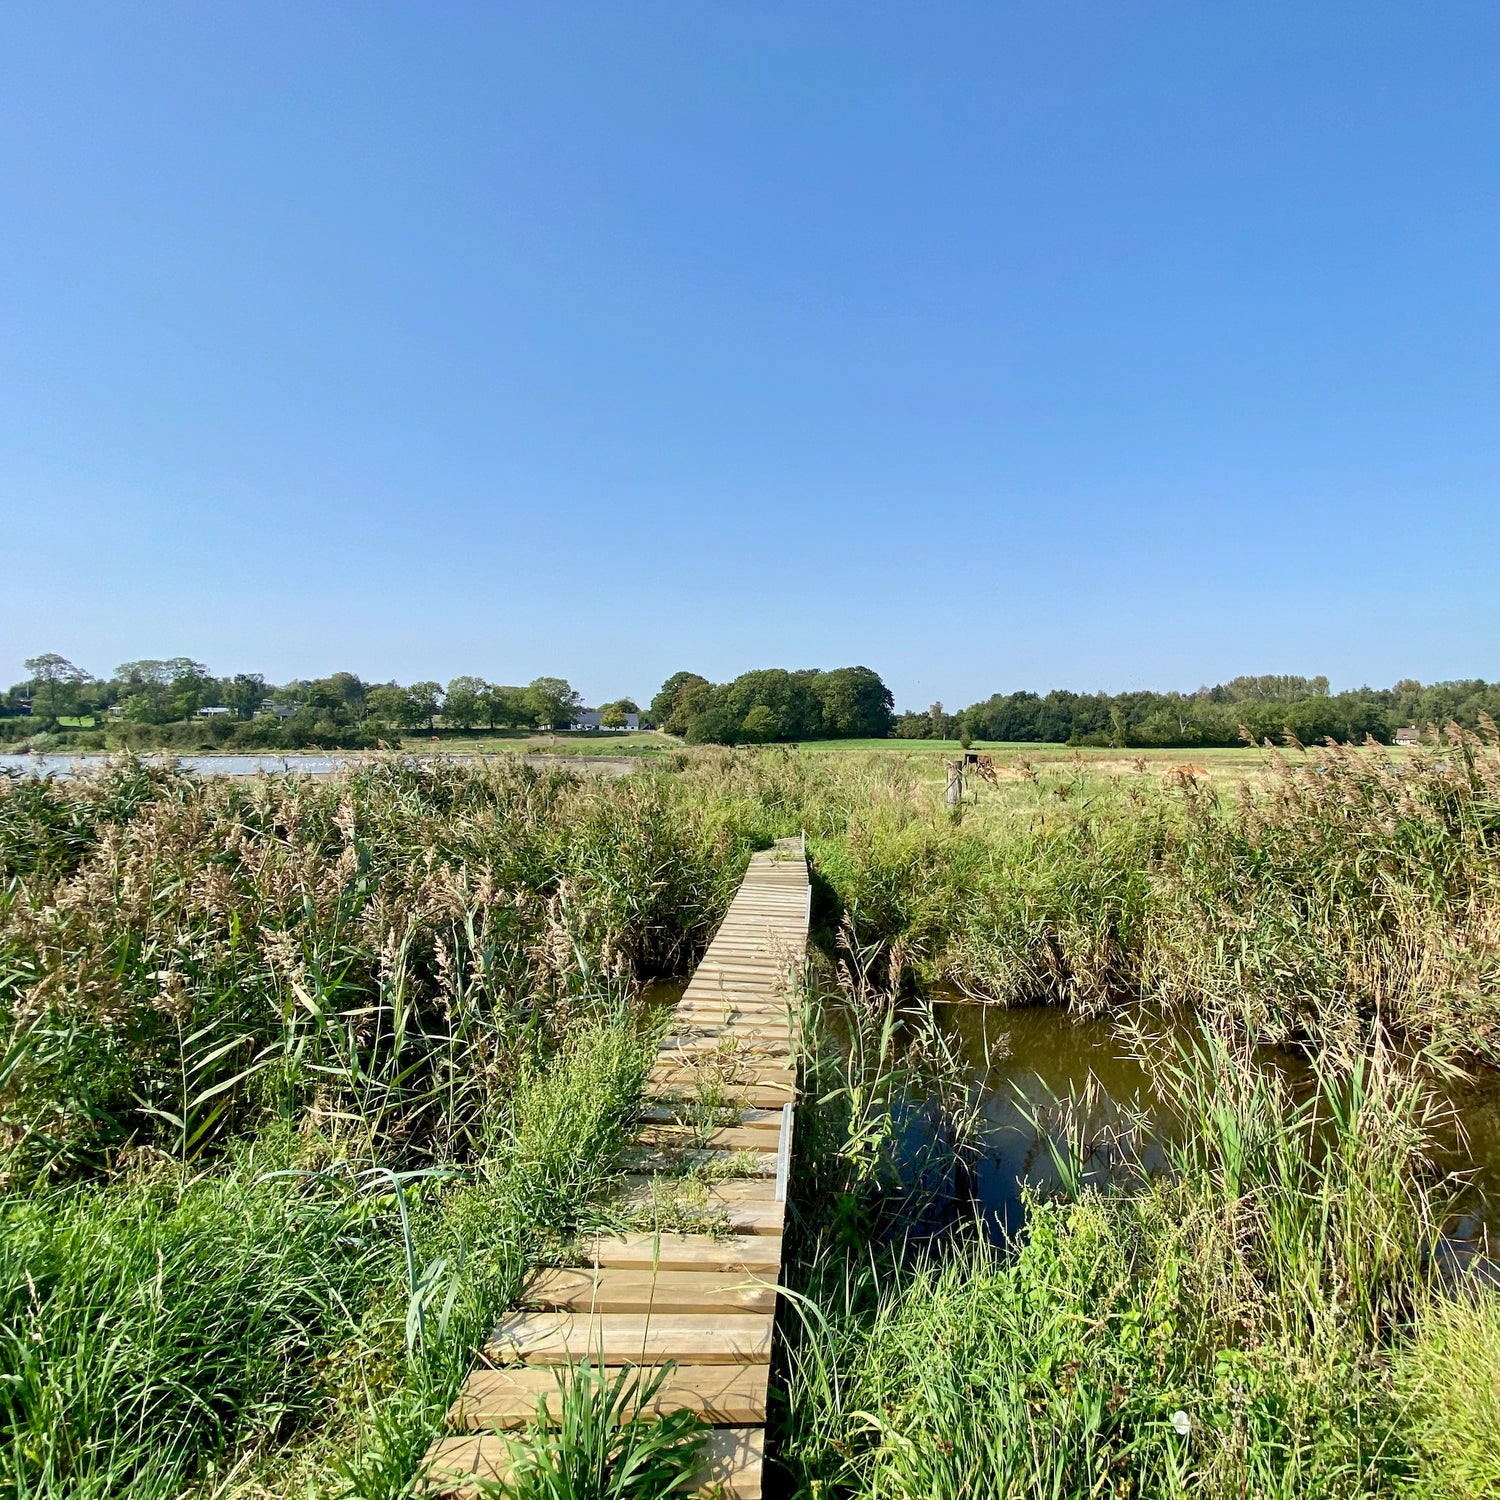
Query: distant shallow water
[{"x": 307, "y": 764}]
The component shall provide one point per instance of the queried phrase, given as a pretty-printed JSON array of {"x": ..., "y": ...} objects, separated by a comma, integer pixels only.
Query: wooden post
[{"x": 955, "y": 789}]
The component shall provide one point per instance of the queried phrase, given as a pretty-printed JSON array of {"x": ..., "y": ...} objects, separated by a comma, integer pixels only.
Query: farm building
[{"x": 592, "y": 719}]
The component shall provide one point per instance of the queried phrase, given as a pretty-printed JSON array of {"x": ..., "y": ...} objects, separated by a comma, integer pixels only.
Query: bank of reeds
[
  {"x": 299, "y": 1075},
  {"x": 180, "y": 960},
  {"x": 299, "y": 1078},
  {"x": 1341, "y": 892},
  {"x": 1266, "y": 1316}
]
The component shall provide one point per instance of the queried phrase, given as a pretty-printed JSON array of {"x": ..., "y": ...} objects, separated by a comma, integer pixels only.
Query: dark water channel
[
  {"x": 1014, "y": 1068},
  {"x": 1018, "y": 1065}
]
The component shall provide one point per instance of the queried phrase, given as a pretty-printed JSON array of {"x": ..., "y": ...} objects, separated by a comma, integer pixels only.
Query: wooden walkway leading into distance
[{"x": 695, "y": 1282}]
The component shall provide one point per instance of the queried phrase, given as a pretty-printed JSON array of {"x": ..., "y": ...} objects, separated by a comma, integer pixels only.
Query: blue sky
[{"x": 991, "y": 346}]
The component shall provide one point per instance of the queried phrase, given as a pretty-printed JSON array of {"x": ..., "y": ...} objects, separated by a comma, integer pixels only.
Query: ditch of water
[
  {"x": 1016, "y": 1064},
  {"x": 1019, "y": 1062}
]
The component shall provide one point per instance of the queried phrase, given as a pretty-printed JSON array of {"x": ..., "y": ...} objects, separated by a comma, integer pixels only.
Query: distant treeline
[
  {"x": 758, "y": 707},
  {"x": 1268, "y": 708},
  {"x": 178, "y": 703}
]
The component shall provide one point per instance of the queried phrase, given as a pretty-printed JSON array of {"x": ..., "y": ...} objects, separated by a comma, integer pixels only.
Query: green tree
[
  {"x": 244, "y": 693},
  {"x": 56, "y": 681},
  {"x": 612, "y": 715},
  {"x": 344, "y": 692},
  {"x": 506, "y": 707},
  {"x": 761, "y": 725},
  {"x": 157, "y": 690},
  {"x": 553, "y": 701},
  {"x": 716, "y": 725},
  {"x": 464, "y": 703},
  {"x": 661, "y": 706},
  {"x": 419, "y": 705},
  {"x": 694, "y": 699},
  {"x": 386, "y": 703},
  {"x": 856, "y": 703}
]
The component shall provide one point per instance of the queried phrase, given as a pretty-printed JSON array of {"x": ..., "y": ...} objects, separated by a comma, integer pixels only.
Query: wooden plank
[
  {"x": 613, "y": 1290},
  {"x": 686, "y": 1068},
  {"x": 735, "y": 963},
  {"x": 705, "y": 1016},
  {"x": 744, "y": 1206},
  {"x": 763, "y": 1137},
  {"x": 730, "y": 1011},
  {"x": 733, "y": 1461},
  {"x": 670, "y": 1112},
  {"x": 760, "y": 1163},
  {"x": 745, "y": 1083},
  {"x": 727, "y": 1012},
  {"x": 686, "y": 1252},
  {"x": 740, "y": 1046},
  {"x": 700, "y": 1026},
  {"x": 721, "y": 1395},
  {"x": 550, "y": 1338},
  {"x": 697, "y": 1013},
  {"x": 738, "y": 1004},
  {"x": 675, "y": 1092},
  {"x": 727, "y": 1043}
]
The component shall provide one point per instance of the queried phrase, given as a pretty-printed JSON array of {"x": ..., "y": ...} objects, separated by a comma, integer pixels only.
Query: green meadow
[{"x": 301, "y": 1076}]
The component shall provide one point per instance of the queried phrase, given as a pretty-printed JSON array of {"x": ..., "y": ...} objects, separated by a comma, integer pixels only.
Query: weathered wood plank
[
  {"x": 550, "y": 1338},
  {"x": 721, "y": 1395},
  {"x": 743, "y": 1206},
  {"x": 731, "y": 1138},
  {"x": 686, "y": 1252},
  {"x": 760, "y": 1163},
  {"x": 613, "y": 1290},
  {"x": 677, "y": 1092},
  {"x": 733, "y": 1461},
  {"x": 667, "y": 1112}
]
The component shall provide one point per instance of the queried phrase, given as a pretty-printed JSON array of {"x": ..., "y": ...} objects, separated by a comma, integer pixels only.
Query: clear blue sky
[{"x": 991, "y": 345}]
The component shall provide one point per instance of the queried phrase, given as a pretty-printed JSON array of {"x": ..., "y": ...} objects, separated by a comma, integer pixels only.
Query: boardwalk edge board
[{"x": 703, "y": 1300}]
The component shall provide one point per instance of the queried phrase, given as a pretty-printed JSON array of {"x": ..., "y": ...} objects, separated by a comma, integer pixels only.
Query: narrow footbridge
[{"x": 694, "y": 1281}]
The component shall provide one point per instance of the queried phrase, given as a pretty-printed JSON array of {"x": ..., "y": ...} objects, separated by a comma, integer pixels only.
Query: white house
[
  {"x": 216, "y": 712},
  {"x": 591, "y": 719},
  {"x": 1408, "y": 735}
]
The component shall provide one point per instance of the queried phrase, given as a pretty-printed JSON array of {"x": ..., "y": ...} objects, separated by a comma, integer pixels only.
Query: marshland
[{"x": 1146, "y": 1144}]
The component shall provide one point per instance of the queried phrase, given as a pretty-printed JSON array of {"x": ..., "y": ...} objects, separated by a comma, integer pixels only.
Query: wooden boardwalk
[{"x": 696, "y": 1282}]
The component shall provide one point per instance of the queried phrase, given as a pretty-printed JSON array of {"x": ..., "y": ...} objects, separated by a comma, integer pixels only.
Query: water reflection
[
  {"x": 974, "y": 1156},
  {"x": 65, "y": 767},
  {"x": 1021, "y": 1065}
]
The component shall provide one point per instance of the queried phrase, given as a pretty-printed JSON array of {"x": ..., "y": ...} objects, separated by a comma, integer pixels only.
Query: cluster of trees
[
  {"x": 1269, "y": 707},
  {"x": 163, "y": 702},
  {"x": 758, "y": 707}
]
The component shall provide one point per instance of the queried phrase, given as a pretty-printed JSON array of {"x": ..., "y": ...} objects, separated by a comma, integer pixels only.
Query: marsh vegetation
[{"x": 300, "y": 1078}]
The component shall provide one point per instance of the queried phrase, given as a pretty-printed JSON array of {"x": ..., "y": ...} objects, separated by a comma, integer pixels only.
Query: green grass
[
  {"x": 405, "y": 989},
  {"x": 1449, "y": 1377},
  {"x": 279, "y": 1322},
  {"x": 288, "y": 1111},
  {"x": 588, "y": 1441},
  {"x": 1265, "y": 1319},
  {"x": 531, "y": 742}
]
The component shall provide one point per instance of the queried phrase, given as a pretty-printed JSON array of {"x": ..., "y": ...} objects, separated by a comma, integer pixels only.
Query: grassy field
[
  {"x": 300, "y": 1077},
  {"x": 518, "y": 741}
]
